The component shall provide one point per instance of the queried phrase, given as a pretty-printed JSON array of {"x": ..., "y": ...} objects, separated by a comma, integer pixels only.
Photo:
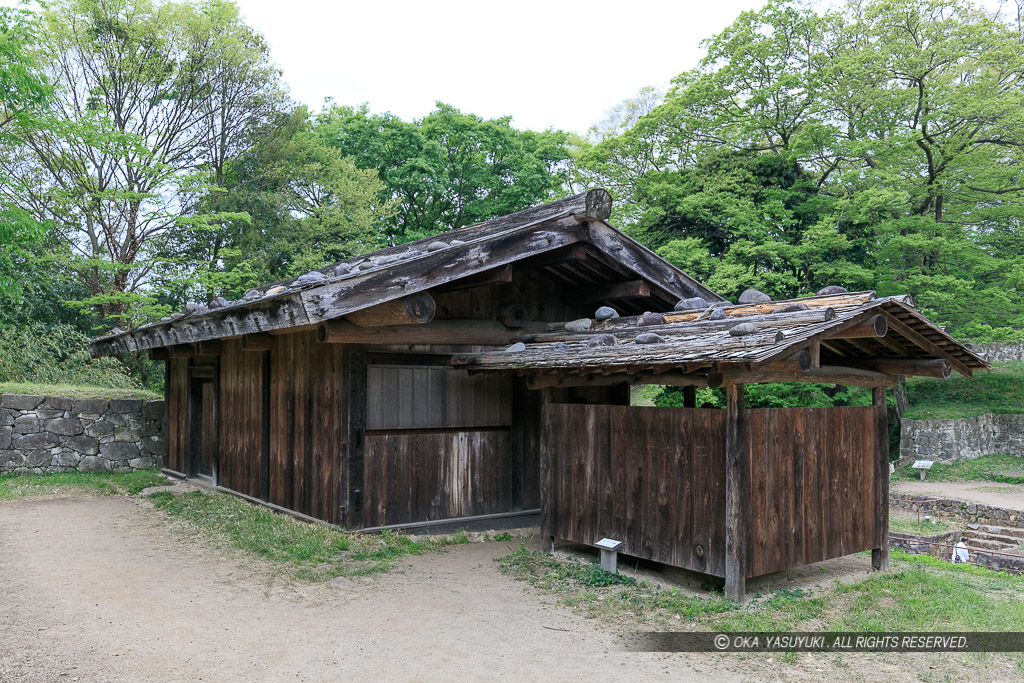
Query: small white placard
[
  {"x": 608, "y": 544},
  {"x": 922, "y": 464}
]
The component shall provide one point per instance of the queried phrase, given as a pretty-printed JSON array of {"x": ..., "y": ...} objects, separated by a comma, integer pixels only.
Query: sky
[{"x": 547, "y": 64}]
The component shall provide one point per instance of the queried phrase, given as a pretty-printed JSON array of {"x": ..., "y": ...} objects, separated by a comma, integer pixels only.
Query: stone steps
[{"x": 997, "y": 530}]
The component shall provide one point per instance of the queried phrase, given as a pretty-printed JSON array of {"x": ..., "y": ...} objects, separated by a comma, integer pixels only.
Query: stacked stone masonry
[
  {"x": 962, "y": 439},
  {"x": 964, "y": 510},
  {"x": 999, "y": 353},
  {"x": 53, "y": 434}
]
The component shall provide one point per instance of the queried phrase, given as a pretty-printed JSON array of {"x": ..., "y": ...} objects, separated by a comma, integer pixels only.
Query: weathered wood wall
[
  {"x": 654, "y": 479},
  {"x": 176, "y": 402},
  {"x": 306, "y": 418},
  {"x": 240, "y": 456}
]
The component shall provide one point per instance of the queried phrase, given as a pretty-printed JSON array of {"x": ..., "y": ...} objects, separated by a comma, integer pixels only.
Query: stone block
[
  {"x": 117, "y": 419},
  {"x": 59, "y": 403},
  {"x": 119, "y": 450},
  {"x": 92, "y": 463},
  {"x": 25, "y": 442},
  {"x": 11, "y": 459},
  {"x": 125, "y": 405},
  {"x": 7, "y": 417},
  {"x": 153, "y": 410},
  {"x": 49, "y": 413},
  {"x": 86, "y": 445},
  {"x": 99, "y": 428},
  {"x": 66, "y": 458},
  {"x": 38, "y": 458},
  {"x": 65, "y": 426},
  {"x": 5, "y": 437},
  {"x": 154, "y": 446},
  {"x": 20, "y": 401},
  {"x": 127, "y": 434},
  {"x": 26, "y": 424},
  {"x": 89, "y": 406},
  {"x": 142, "y": 463}
]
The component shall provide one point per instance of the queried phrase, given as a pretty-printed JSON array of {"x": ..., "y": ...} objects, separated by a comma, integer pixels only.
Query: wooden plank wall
[
  {"x": 437, "y": 444},
  {"x": 306, "y": 393},
  {"x": 811, "y": 486},
  {"x": 654, "y": 479},
  {"x": 650, "y": 477},
  {"x": 177, "y": 415},
  {"x": 241, "y": 419}
]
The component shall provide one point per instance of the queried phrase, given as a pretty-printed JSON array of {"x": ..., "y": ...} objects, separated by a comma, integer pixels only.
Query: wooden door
[{"x": 203, "y": 428}]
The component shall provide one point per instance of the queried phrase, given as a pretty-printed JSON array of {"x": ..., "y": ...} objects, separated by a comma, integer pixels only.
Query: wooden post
[
  {"x": 547, "y": 538},
  {"x": 352, "y": 481},
  {"x": 736, "y": 463},
  {"x": 690, "y": 396},
  {"x": 880, "y": 554}
]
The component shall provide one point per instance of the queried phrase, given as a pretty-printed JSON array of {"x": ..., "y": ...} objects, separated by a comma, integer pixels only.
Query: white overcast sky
[{"x": 547, "y": 64}]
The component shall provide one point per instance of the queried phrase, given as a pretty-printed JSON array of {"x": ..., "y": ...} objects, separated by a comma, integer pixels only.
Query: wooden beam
[
  {"x": 212, "y": 347},
  {"x": 159, "y": 354},
  {"x": 811, "y": 302},
  {"x": 488, "y": 277},
  {"x": 815, "y": 351},
  {"x": 736, "y": 463},
  {"x": 828, "y": 374},
  {"x": 416, "y": 309},
  {"x": 257, "y": 342},
  {"x": 470, "y": 332},
  {"x": 799, "y": 362},
  {"x": 182, "y": 351},
  {"x": 612, "y": 292},
  {"x": 562, "y": 381},
  {"x": 908, "y": 367},
  {"x": 512, "y": 315},
  {"x": 928, "y": 345},
  {"x": 875, "y": 326},
  {"x": 880, "y": 553}
]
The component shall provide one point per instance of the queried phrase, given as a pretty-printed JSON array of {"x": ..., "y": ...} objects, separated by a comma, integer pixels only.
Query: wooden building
[{"x": 391, "y": 390}]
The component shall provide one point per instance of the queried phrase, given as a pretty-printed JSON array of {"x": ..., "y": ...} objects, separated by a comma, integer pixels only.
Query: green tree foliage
[
  {"x": 56, "y": 354},
  {"x": 148, "y": 97},
  {"x": 448, "y": 169},
  {"x": 877, "y": 144}
]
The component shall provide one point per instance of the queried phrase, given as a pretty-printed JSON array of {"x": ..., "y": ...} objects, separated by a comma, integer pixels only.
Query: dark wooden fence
[{"x": 654, "y": 478}]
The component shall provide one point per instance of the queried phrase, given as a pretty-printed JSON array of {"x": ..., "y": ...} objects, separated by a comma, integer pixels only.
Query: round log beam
[
  {"x": 415, "y": 309},
  {"x": 873, "y": 327},
  {"x": 512, "y": 315}
]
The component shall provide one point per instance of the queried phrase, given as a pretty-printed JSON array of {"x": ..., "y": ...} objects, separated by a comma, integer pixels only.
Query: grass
[
  {"x": 1000, "y": 390},
  {"x": 14, "y": 486},
  {"x": 311, "y": 552},
  {"x": 906, "y": 523},
  {"x": 1002, "y": 469},
  {"x": 75, "y": 391},
  {"x": 920, "y": 593}
]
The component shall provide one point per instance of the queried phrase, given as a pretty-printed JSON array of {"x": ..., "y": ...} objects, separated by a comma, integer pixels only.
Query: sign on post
[{"x": 923, "y": 466}]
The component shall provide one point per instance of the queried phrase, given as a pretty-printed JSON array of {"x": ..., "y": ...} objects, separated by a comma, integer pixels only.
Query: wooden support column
[
  {"x": 352, "y": 479},
  {"x": 736, "y": 463},
  {"x": 690, "y": 396},
  {"x": 547, "y": 538},
  {"x": 880, "y": 554}
]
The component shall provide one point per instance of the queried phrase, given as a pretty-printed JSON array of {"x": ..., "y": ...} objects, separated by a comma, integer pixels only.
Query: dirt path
[
  {"x": 89, "y": 590},
  {"x": 94, "y": 589},
  {"x": 988, "y": 493}
]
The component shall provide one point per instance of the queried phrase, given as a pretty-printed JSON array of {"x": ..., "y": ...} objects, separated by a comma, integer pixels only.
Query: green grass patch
[
  {"x": 75, "y": 391},
  {"x": 920, "y": 593},
  {"x": 310, "y": 551},
  {"x": 14, "y": 486},
  {"x": 1000, "y": 390},
  {"x": 1001, "y": 469},
  {"x": 907, "y": 523}
]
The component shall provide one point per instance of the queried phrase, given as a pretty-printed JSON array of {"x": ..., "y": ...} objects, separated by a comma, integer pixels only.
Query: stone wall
[
  {"x": 999, "y": 353},
  {"x": 961, "y": 439},
  {"x": 52, "y": 434},
  {"x": 964, "y": 510}
]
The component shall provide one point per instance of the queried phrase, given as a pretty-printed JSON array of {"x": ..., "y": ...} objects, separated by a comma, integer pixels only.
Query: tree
[
  {"x": 449, "y": 169},
  {"x": 901, "y": 119},
  {"x": 148, "y": 97}
]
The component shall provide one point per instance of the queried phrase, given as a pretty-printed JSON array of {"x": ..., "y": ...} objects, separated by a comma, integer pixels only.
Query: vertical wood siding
[
  {"x": 241, "y": 419},
  {"x": 306, "y": 390},
  {"x": 654, "y": 479},
  {"x": 177, "y": 415}
]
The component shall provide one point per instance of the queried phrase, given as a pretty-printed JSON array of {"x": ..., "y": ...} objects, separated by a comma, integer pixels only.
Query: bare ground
[
  {"x": 987, "y": 493},
  {"x": 97, "y": 589}
]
